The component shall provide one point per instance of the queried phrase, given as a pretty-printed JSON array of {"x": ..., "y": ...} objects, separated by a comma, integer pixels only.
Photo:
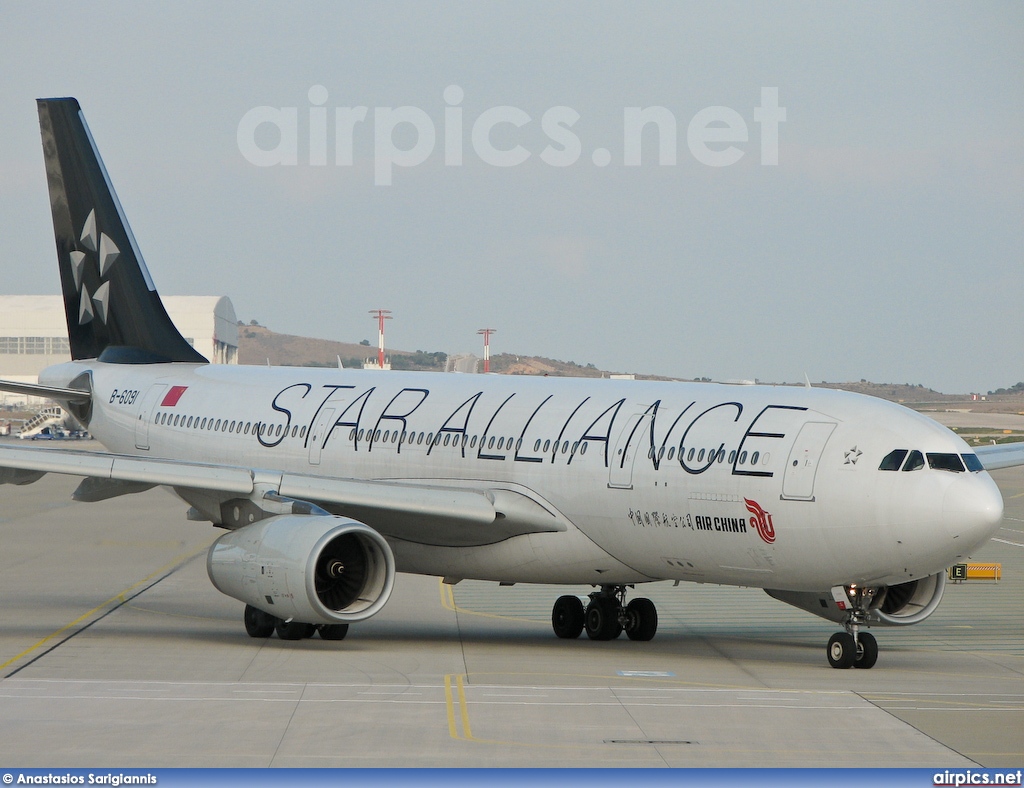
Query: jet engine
[
  {"x": 313, "y": 569},
  {"x": 909, "y": 603},
  {"x": 898, "y": 605}
]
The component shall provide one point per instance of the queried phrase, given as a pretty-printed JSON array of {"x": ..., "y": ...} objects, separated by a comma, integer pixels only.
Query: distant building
[{"x": 34, "y": 333}]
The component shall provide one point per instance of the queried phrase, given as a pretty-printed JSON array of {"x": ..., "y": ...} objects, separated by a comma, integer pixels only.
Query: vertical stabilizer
[{"x": 113, "y": 310}]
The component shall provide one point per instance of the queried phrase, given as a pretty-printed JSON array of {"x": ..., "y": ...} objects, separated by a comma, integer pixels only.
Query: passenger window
[
  {"x": 671, "y": 452},
  {"x": 893, "y": 460},
  {"x": 753, "y": 458},
  {"x": 973, "y": 463},
  {"x": 472, "y": 442},
  {"x": 547, "y": 445},
  {"x": 915, "y": 461},
  {"x": 945, "y": 462},
  {"x": 743, "y": 458}
]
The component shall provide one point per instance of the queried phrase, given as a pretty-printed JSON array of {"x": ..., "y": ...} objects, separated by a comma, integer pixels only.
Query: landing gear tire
[
  {"x": 568, "y": 617},
  {"x": 867, "y": 651},
  {"x": 602, "y": 619},
  {"x": 842, "y": 650},
  {"x": 641, "y": 619},
  {"x": 294, "y": 630},
  {"x": 257, "y": 623},
  {"x": 333, "y": 631}
]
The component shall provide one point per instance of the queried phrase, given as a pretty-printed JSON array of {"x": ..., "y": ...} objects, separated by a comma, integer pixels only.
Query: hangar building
[{"x": 34, "y": 334}]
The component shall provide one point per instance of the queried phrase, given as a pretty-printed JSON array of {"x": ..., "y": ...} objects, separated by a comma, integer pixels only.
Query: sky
[{"x": 880, "y": 236}]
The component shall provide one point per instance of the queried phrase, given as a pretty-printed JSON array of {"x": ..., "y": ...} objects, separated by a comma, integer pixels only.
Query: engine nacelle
[
  {"x": 899, "y": 605},
  {"x": 314, "y": 569},
  {"x": 909, "y": 603}
]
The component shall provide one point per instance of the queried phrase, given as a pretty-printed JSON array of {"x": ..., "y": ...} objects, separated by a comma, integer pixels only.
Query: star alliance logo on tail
[
  {"x": 761, "y": 521},
  {"x": 96, "y": 304}
]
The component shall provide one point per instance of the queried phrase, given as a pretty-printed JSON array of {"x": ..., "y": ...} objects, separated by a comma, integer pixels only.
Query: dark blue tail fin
[{"x": 113, "y": 310}]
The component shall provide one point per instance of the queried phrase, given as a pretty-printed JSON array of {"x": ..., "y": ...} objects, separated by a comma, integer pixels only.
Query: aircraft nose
[{"x": 972, "y": 510}]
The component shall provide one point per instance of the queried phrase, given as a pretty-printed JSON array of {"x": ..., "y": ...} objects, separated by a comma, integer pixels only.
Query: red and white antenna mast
[
  {"x": 487, "y": 346},
  {"x": 381, "y": 315}
]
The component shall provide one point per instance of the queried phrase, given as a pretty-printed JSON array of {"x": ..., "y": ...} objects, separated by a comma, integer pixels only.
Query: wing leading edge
[{"x": 1002, "y": 455}]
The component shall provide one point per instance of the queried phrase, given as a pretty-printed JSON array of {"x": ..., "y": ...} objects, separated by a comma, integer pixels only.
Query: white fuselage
[{"x": 773, "y": 487}]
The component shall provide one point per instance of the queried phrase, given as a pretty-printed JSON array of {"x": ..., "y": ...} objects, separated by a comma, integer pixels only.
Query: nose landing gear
[
  {"x": 853, "y": 648},
  {"x": 605, "y": 617}
]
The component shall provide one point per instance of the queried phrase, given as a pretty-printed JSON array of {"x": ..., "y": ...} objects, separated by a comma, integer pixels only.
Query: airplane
[{"x": 328, "y": 482}]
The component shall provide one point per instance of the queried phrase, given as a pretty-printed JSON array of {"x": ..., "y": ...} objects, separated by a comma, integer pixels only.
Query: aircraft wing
[
  {"x": 1001, "y": 455},
  {"x": 413, "y": 511}
]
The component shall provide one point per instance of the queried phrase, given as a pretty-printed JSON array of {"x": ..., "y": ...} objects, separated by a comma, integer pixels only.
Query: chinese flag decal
[{"x": 171, "y": 397}]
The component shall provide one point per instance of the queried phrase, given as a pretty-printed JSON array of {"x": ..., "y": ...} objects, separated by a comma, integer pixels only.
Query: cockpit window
[
  {"x": 915, "y": 461},
  {"x": 945, "y": 462},
  {"x": 893, "y": 460},
  {"x": 972, "y": 462}
]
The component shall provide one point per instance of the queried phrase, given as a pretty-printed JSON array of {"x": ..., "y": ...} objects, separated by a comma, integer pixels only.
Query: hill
[{"x": 257, "y": 344}]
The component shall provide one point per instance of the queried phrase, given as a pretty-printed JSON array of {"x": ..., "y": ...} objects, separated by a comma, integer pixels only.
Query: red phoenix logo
[{"x": 761, "y": 521}]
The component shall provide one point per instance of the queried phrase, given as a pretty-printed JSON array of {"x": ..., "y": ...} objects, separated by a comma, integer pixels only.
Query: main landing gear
[
  {"x": 605, "y": 617},
  {"x": 853, "y": 648},
  {"x": 262, "y": 625}
]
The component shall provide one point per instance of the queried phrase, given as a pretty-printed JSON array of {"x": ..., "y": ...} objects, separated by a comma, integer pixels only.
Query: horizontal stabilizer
[{"x": 47, "y": 392}]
